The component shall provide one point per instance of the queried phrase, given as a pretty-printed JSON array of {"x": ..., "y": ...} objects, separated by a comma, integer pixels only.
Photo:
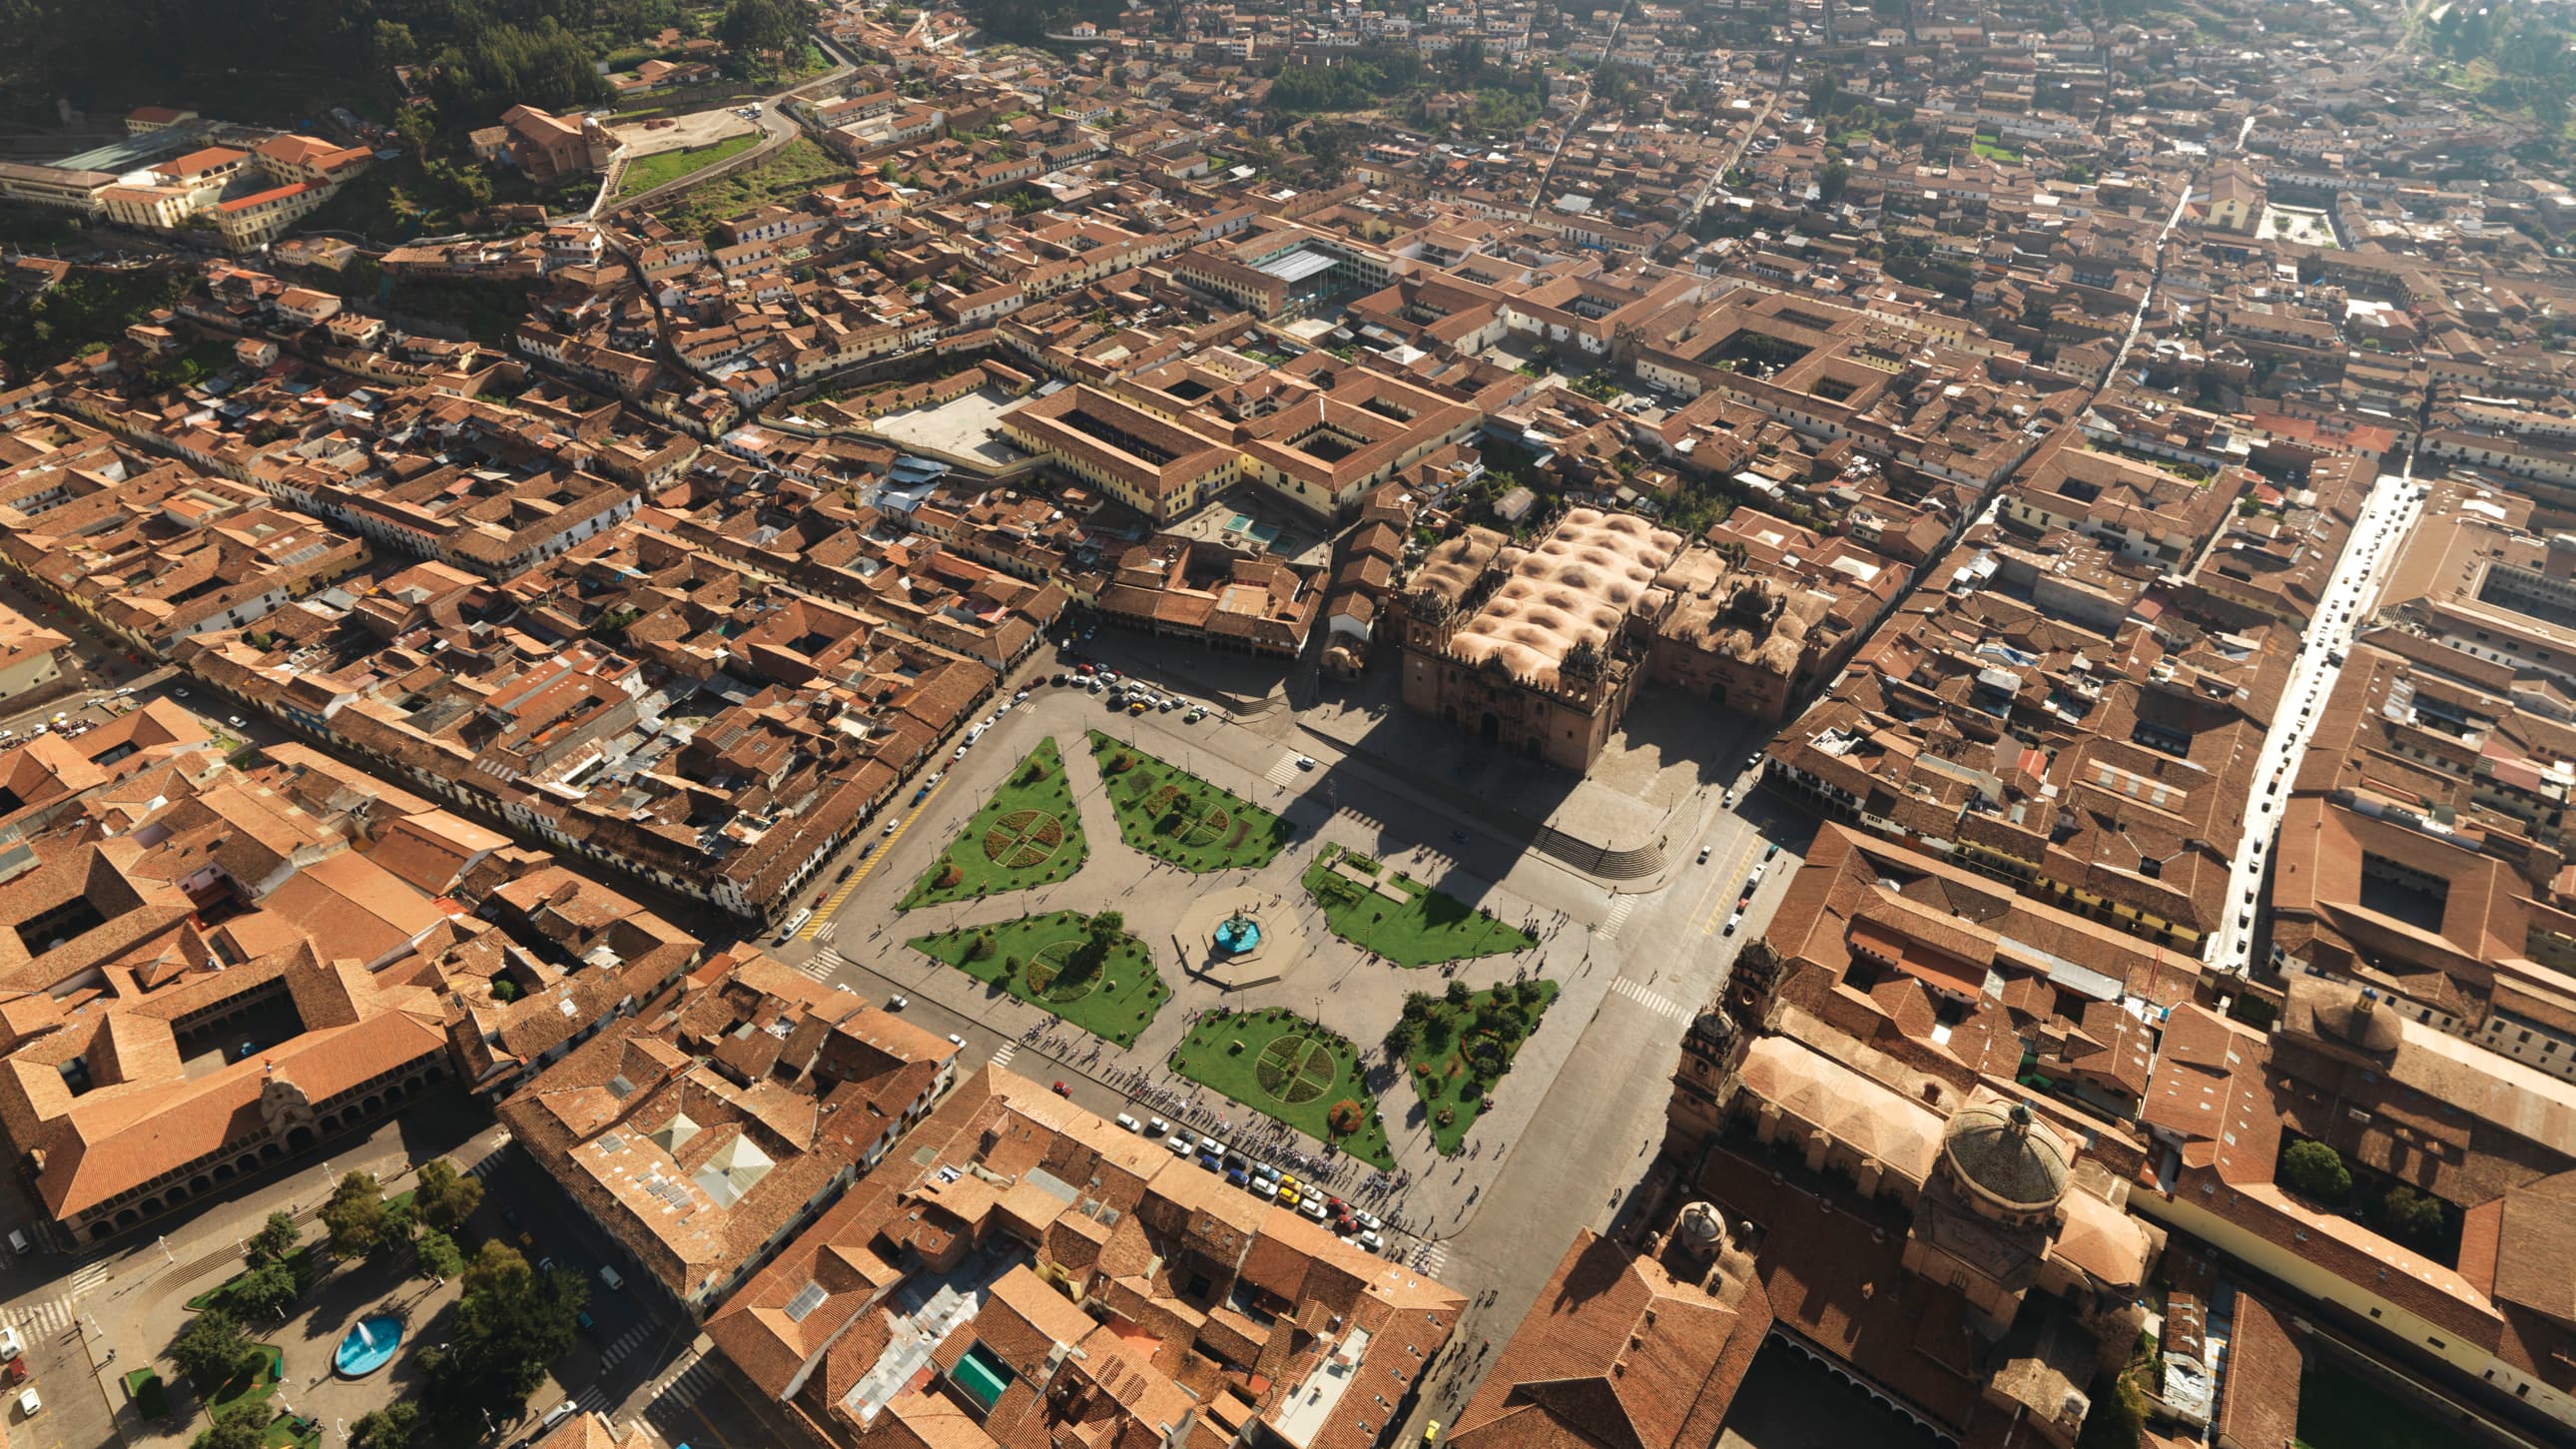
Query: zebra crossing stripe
[
  {"x": 1002, "y": 1055},
  {"x": 1654, "y": 1001},
  {"x": 624, "y": 1345},
  {"x": 50, "y": 1316},
  {"x": 1618, "y": 917}
]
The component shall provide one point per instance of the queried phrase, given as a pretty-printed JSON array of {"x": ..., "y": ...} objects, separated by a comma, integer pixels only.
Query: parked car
[
  {"x": 897, "y": 1003},
  {"x": 1182, "y": 1144}
]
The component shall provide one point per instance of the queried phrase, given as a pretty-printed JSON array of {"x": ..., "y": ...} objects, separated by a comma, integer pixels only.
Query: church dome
[{"x": 2005, "y": 1156}]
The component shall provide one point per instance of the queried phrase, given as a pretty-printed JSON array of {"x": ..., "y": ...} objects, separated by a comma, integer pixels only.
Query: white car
[
  {"x": 29, "y": 1406},
  {"x": 955, "y": 1040},
  {"x": 897, "y": 1003},
  {"x": 235, "y": 721},
  {"x": 1182, "y": 1144},
  {"x": 10, "y": 1347},
  {"x": 1305, "y": 762}
]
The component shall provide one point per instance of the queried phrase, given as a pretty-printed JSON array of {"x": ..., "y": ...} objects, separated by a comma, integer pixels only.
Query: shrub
[
  {"x": 950, "y": 875},
  {"x": 980, "y": 947},
  {"x": 1345, "y": 1117}
]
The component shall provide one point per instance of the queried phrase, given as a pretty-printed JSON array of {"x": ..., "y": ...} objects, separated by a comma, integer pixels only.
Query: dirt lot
[{"x": 671, "y": 133}]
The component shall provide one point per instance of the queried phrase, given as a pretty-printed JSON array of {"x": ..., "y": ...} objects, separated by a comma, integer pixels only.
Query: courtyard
[{"x": 962, "y": 429}]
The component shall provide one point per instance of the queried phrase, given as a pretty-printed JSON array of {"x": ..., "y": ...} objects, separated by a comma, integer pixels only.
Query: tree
[
  {"x": 439, "y": 1256},
  {"x": 355, "y": 1215},
  {"x": 755, "y": 27},
  {"x": 1417, "y": 1005},
  {"x": 1457, "y": 994},
  {"x": 243, "y": 1426},
  {"x": 275, "y": 1239},
  {"x": 1099, "y": 938},
  {"x": 2315, "y": 1170},
  {"x": 2411, "y": 1214},
  {"x": 392, "y": 1427},
  {"x": 401, "y": 1221},
  {"x": 266, "y": 1291},
  {"x": 497, "y": 1267},
  {"x": 509, "y": 1324},
  {"x": 1830, "y": 182},
  {"x": 445, "y": 1196},
  {"x": 212, "y": 1351},
  {"x": 1401, "y": 1036}
]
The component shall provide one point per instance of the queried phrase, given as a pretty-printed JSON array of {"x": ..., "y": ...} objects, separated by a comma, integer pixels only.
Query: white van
[
  {"x": 795, "y": 923},
  {"x": 609, "y": 1276},
  {"x": 18, "y": 1243}
]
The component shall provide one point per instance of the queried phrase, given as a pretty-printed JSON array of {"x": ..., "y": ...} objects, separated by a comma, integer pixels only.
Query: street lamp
[{"x": 164, "y": 1242}]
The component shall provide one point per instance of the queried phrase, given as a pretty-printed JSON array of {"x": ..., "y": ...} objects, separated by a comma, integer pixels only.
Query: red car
[{"x": 1062, "y": 1090}]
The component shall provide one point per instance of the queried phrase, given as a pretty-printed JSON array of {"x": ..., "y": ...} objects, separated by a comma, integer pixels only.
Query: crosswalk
[
  {"x": 682, "y": 1385},
  {"x": 1651, "y": 999},
  {"x": 628, "y": 1342},
  {"x": 56, "y": 1314},
  {"x": 1002, "y": 1054},
  {"x": 1619, "y": 912},
  {"x": 53, "y": 1316},
  {"x": 490, "y": 1162},
  {"x": 826, "y": 931},
  {"x": 592, "y": 1400},
  {"x": 823, "y": 963},
  {"x": 1285, "y": 773},
  {"x": 1431, "y": 1259}
]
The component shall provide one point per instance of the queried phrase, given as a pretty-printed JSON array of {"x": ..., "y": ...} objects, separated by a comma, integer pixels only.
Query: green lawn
[
  {"x": 250, "y": 1388},
  {"x": 1028, "y": 834},
  {"x": 1284, "y": 1066},
  {"x": 219, "y": 1296},
  {"x": 791, "y": 171},
  {"x": 1429, "y": 928},
  {"x": 1118, "y": 1002},
  {"x": 1994, "y": 150},
  {"x": 1444, "y": 1078},
  {"x": 151, "y": 1397},
  {"x": 2339, "y": 1411},
  {"x": 1173, "y": 815},
  {"x": 646, "y": 172}
]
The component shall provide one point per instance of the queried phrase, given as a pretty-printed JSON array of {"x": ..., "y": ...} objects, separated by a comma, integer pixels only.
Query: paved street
[{"x": 2386, "y": 517}]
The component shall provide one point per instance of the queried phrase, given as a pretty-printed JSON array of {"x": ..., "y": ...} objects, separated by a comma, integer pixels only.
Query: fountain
[
  {"x": 368, "y": 1347},
  {"x": 1237, "y": 934}
]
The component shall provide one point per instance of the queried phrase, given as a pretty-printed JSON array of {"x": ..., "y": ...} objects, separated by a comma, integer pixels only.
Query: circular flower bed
[{"x": 1023, "y": 839}]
